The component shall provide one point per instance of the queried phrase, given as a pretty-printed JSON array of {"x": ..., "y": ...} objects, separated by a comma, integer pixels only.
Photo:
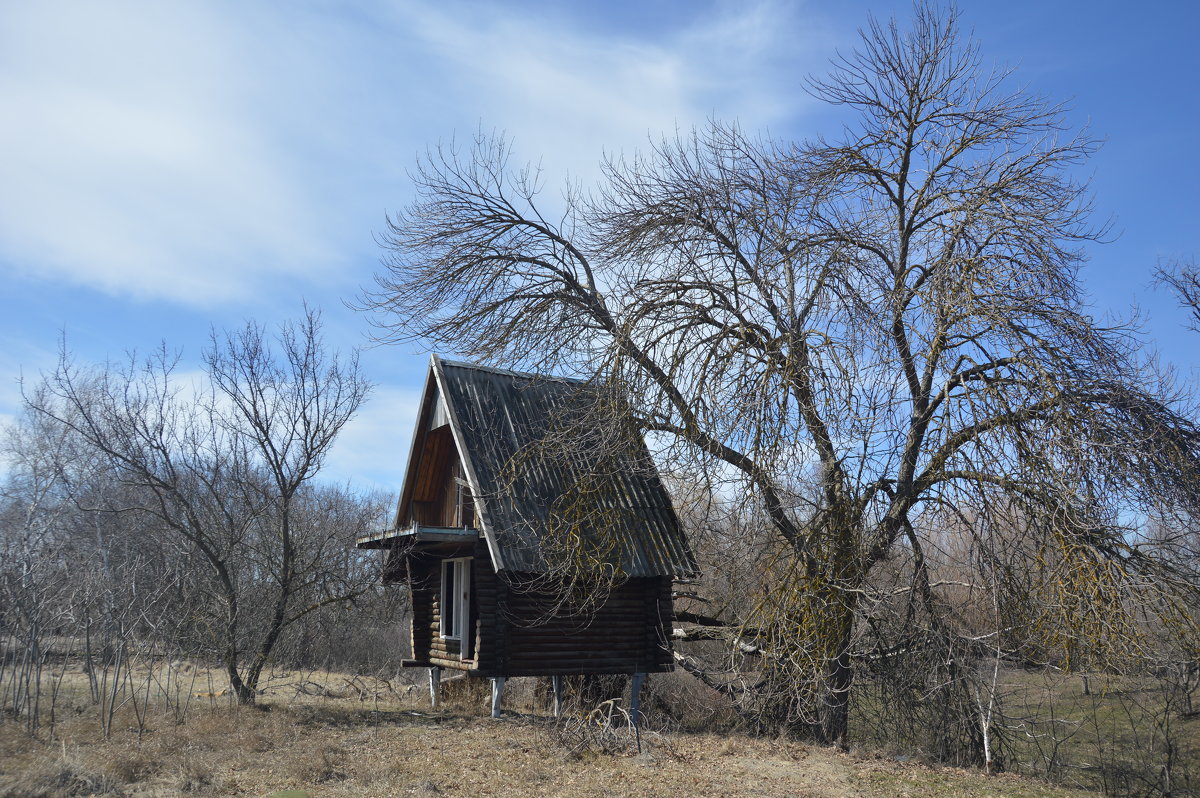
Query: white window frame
[{"x": 456, "y": 608}]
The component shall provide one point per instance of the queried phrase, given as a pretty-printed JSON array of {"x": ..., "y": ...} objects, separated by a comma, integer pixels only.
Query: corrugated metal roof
[{"x": 551, "y": 473}]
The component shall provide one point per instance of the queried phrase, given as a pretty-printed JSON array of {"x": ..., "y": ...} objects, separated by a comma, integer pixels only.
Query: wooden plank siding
[{"x": 435, "y": 460}]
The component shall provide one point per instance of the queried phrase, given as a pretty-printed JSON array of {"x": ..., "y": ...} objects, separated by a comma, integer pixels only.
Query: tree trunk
[
  {"x": 841, "y": 597},
  {"x": 836, "y": 715},
  {"x": 245, "y": 692}
]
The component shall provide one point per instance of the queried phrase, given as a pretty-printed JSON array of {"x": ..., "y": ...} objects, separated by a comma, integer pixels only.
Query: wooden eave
[{"x": 477, "y": 494}]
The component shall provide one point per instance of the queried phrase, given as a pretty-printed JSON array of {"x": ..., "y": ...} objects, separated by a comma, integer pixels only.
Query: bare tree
[
  {"x": 859, "y": 335},
  {"x": 1183, "y": 280},
  {"x": 225, "y": 468}
]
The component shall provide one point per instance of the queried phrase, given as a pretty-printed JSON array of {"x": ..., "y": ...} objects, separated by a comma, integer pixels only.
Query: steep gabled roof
[{"x": 526, "y": 446}]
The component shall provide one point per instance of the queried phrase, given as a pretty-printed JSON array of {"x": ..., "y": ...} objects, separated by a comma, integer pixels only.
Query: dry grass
[
  {"x": 335, "y": 735},
  {"x": 51, "y": 778},
  {"x": 1113, "y": 736},
  {"x": 1123, "y": 735}
]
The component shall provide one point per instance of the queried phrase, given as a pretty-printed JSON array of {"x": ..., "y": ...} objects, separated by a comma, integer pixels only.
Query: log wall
[
  {"x": 423, "y": 590},
  {"x": 629, "y": 633}
]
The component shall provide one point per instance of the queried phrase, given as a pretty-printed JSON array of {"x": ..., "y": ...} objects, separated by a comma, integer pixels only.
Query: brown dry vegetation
[
  {"x": 339, "y": 735},
  {"x": 1124, "y": 735}
]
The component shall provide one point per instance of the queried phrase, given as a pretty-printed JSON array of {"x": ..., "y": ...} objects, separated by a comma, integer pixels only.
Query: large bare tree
[
  {"x": 225, "y": 468},
  {"x": 875, "y": 338}
]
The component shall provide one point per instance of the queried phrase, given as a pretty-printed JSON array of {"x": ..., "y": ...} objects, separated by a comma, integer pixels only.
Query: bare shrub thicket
[
  {"x": 145, "y": 524},
  {"x": 91, "y": 588},
  {"x": 996, "y": 680}
]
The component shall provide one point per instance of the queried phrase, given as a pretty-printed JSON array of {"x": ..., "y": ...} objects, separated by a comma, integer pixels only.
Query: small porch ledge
[{"x": 417, "y": 533}]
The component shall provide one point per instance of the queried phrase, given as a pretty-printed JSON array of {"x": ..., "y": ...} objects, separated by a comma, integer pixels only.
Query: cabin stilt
[
  {"x": 497, "y": 694},
  {"x": 435, "y": 687},
  {"x": 635, "y": 698}
]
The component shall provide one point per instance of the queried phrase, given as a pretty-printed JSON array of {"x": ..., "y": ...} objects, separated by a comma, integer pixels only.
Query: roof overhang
[
  {"x": 491, "y": 414},
  {"x": 417, "y": 533}
]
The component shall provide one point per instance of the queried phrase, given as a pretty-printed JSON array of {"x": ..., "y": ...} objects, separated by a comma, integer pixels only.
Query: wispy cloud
[
  {"x": 202, "y": 152},
  {"x": 372, "y": 450},
  {"x": 134, "y": 162},
  {"x": 566, "y": 96},
  {"x": 216, "y": 155}
]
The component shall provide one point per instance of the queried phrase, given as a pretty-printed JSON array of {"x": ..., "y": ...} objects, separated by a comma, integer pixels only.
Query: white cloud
[
  {"x": 205, "y": 152},
  {"x": 567, "y": 96},
  {"x": 224, "y": 153},
  {"x": 132, "y": 162},
  {"x": 372, "y": 449}
]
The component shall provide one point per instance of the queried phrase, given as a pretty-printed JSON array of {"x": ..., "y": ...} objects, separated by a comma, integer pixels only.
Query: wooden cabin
[{"x": 483, "y": 502}]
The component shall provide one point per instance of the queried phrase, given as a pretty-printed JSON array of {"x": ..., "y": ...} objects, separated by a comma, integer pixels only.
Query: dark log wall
[
  {"x": 425, "y": 577},
  {"x": 428, "y": 646},
  {"x": 628, "y": 634},
  {"x": 424, "y": 587},
  {"x": 442, "y": 652},
  {"x": 486, "y": 590}
]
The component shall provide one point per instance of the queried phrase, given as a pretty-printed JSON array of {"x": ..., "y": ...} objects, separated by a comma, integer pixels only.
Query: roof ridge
[{"x": 531, "y": 375}]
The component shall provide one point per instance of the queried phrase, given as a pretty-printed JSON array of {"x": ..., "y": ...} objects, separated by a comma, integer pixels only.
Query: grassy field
[
  {"x": 333, "y": 735},
  {"x": 1118, "y": 733},
  {"x": 1121, "y": 735}
]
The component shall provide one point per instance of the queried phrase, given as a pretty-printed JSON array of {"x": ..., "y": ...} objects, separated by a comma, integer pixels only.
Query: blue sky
[{"x": 168, "y": 167}]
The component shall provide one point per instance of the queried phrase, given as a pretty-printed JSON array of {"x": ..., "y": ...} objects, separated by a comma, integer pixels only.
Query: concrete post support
[
  {"x": 557, "y": 683},
  {"x": 635, "y": 698},
  {"x": 497, "y": 693},
  {"x": 435, "y": 684}
]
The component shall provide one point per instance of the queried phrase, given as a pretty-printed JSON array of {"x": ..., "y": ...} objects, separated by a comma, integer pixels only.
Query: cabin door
[{"x": 456, "y": 606}]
